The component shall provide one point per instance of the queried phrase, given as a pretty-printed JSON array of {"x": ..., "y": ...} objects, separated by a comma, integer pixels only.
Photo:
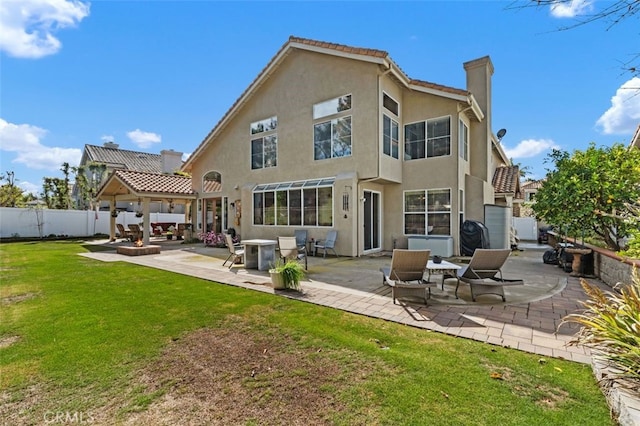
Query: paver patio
[{"x": 530, "y": 320}]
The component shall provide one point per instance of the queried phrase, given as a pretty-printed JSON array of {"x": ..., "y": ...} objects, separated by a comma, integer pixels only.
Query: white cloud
[
  {"x": 186, "y": 155},
  {"x": 29, "y": 187},
  {"x": 144, "y": 139},
  {"x": 24, "y": 141},
  {"x": 107, "y": 138},
  {"x": 530, "y": 148},
  {"x": 570, "y": 8},
  {"x": 27, "y": 27},
  {"x": 623, "y": 116}
]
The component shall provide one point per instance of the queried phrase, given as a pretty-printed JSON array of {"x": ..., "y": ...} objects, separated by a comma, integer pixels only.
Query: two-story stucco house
[{"x": 333, "y": 137}]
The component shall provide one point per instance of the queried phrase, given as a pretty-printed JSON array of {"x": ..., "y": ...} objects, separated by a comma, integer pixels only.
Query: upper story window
[
  {"x": 332, "y": 106},
  {"x": 426, "y": 139},
  {"x": 390, "y": 132},
  {"x": 463, "y": 140},
  {"x": 389, "y": 136},
  {"x": 264, "y": 149},
  {"x": 332, "y": 138},
  {"x": 390, "y": 104}
]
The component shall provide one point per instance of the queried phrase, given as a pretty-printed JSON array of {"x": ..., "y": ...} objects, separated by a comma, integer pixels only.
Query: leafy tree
[
  {"x": 88, "y": 181},
  {"x": 586, "y": 189},
  {"x": 10, "y": 194}
]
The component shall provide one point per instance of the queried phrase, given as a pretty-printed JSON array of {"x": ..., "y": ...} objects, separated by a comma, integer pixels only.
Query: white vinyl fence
[
  {"x": 526, "y": 227},
  {"x": 36, "y": 222}
]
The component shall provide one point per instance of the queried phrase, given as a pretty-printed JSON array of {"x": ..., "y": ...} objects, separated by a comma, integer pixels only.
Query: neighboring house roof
[
  {"x": 116, "y": 158},
  {"x": 380, "y": 57},
  {"x": 141, "y": 184},
  {"x": 506, "y": 180},
  {"x": 531, "y": 185}
]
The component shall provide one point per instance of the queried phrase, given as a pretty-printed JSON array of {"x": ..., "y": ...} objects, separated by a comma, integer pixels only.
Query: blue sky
[{"x": 154, "y": 75}]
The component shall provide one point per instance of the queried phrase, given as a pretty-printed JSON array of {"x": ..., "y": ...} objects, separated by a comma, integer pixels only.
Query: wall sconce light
[
  {"x": 345, "y": 198},
  {"x": 232, "y": 204},
  {"x": 236, "y": 187}
]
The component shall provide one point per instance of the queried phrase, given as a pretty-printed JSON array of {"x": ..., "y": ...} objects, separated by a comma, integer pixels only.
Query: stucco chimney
[
  {"x": 111, "y": 145},
  {"x": 479, "y": 73},
  {"x": 171, "y": 160}
]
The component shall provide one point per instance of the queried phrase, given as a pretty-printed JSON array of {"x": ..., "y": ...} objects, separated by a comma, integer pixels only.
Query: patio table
[
  {"x": 445, "y": 268},
  {"x": 259, "y": 254}
]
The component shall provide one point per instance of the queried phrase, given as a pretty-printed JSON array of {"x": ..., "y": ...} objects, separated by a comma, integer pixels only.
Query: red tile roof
[
  {"x": 506, "y": 179},
  {"x": 141, "y": 182}
]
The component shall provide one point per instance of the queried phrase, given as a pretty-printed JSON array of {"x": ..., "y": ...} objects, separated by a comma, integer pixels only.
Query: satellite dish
[{"x": 501, "y": 133}]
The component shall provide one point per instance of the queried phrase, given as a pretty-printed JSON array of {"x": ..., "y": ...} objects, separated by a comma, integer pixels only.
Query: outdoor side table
[
  {"x": 259, "y": 254},
  {"x": 445, "y": 268}
]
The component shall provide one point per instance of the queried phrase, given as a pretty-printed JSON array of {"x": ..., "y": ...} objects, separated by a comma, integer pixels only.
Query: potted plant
[{"x": 287, "y": 275}]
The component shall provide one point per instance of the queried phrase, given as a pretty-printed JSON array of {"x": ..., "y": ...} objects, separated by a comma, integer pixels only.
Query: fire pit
[{"x": 138, "y": 249}]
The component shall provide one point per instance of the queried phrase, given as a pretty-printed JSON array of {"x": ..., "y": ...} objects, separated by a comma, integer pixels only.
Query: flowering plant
[{"x": 214, "y": 239}]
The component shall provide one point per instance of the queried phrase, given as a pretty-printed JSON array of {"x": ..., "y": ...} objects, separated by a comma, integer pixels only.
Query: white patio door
[{"x": 372, "y": 221}]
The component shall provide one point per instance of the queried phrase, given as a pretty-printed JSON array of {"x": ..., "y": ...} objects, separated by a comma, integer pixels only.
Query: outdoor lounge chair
[
  {"x": 326, "y": 244},
  {"x": 289, "y": 250},
  {"x": 235, "y": 251},
  {"x": 406, "y": 274},
  {"x": 484, "y": 273},
  {"x": 123, "y": 232}
]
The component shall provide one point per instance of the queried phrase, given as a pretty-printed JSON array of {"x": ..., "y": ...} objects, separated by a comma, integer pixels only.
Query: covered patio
[{"x": 144, "y": 188}]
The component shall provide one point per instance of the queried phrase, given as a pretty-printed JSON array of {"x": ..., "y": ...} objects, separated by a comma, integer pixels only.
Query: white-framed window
[
  {"x": 427, "y": 212},
  {"x": 389, "y": 136},
  {"x": 427, "y": 139},
  {"x": 332, "y": 138},
  {"x": 308, "y": 203},
  {"x": 463, "y": 140},
  {"x": 390, "y": 104},
  {"x": 331, "y": 107},
  {"x": 264, "y": 149}
]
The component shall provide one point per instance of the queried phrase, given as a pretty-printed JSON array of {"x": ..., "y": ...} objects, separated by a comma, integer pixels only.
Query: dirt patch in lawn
[
  {"x": 236, "y": 375},
  {"x": 17, "y": 298}
]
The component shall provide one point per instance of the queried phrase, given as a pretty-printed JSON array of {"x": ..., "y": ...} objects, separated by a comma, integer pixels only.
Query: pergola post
[
  {"x": 146, "y": 221},
  {"x": 112, "y": 219}
]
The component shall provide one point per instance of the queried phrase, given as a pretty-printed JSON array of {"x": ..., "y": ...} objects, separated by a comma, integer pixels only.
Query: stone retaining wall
[{"x": 608, "y": 266}]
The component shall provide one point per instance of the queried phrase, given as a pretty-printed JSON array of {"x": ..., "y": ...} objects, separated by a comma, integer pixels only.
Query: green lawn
[{"x": 79, "y": 332}]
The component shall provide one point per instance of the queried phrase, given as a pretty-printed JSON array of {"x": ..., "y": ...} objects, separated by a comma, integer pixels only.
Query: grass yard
[{"x": 115, "y": 343}]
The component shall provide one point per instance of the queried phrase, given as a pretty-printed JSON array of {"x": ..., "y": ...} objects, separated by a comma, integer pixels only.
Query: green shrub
[
  {"x": 633, "y": 246},
  {"x": 611, "y": 326}
]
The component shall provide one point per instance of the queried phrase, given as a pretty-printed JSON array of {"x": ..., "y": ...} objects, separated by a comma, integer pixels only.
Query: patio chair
[
  {"x": 123, "y": 232},
  {"x": 288, "y": 247},
  {"x": 326, "y": 244},
  {"x": 484, "y": 273},
  {"x": 135, "y": 233},
  {"x": 235, "y": 251},
  {"x": 406, "y": 274},
  {"x": 301, "y": 238}
]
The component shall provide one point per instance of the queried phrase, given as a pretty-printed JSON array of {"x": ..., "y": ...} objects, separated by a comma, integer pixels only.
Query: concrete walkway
[{"x": 530, "y": 320}]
